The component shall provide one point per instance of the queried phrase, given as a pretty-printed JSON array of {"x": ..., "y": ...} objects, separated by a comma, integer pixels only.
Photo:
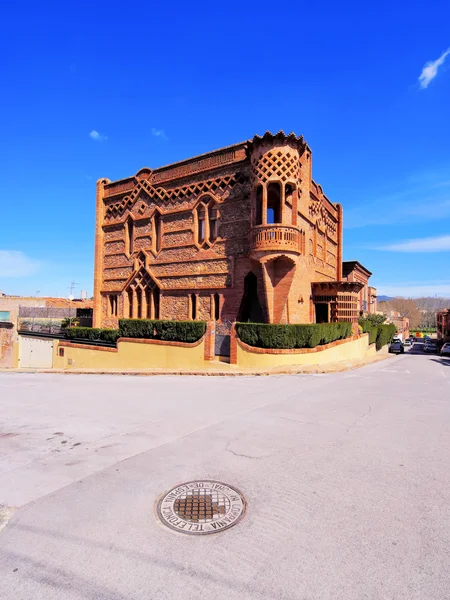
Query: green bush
[
  {"x": 385, "y": 335},
  {"x": 370, "y": 328},
  {"x": 262, "y": 335},
  {"x": 90, "y": 333},
  {"x": 174, "y": 331}
]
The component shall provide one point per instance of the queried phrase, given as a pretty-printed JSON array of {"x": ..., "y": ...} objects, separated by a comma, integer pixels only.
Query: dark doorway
[
  {"x": 250, "y": 309},
  {"x": 321, "y": 313}
]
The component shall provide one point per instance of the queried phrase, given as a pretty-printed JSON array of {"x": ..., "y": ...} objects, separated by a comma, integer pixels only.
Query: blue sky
[{"x": 367, "y": 85}]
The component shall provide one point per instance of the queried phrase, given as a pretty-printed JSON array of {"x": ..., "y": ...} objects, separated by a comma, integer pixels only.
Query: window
[
  {"x": 113, "y": 305},
  {"x": 193, "y": 299},
  {"x": 273, "y": 203},
  {"x": 259, "y": 205},
  {"x": 130, "y": 303},
  {"x": 139, "y": 303},
  {"x": 213, "y": 222},
  {"x": 5, "y": 315},
  {"x": 201, "y": 224},
  {"x": 216, "y": 307},
  {"x": 157, "y": 229},
  {"x": 207, "y": 222},
  {"x": 129, "y": 236}
]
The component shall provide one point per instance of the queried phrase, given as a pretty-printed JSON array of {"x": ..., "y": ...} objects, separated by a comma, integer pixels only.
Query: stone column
[
  {"x": 143, "y": 304},
  {"x": 264, "y": 204},
  {"x": 135, "y": 305}
]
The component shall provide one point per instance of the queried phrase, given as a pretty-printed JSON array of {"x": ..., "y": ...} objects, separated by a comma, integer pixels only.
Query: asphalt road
[{"x": 346, "y": 477}]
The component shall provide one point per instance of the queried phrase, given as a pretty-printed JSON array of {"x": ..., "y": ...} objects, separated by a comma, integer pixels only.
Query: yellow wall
[
  {"x": 129, "y": 356},
  {"x": 353, "y": 349}
]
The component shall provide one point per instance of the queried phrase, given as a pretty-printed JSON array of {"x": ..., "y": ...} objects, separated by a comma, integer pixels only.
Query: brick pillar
[
  {"x": 210, "y": 338},
  {"x": 135, "y": 305},
  {"x": 98, "y": 253},
  {"x": 264, "y": 204},
  {"x": 295, "y": 208},
  {"x": 233, "y": 345},
  {"x": 143, "y": 304}
]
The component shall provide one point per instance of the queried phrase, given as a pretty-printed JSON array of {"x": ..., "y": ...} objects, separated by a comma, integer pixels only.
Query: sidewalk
[{"x": 220, "y": 369}]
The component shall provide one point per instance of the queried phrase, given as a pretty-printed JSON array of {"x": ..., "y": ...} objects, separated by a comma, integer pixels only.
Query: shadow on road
[{"x": 442, "y": 360}]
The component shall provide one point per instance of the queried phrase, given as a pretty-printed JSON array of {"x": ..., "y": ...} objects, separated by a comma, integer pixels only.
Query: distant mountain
[{"x": 384, "y": 298}]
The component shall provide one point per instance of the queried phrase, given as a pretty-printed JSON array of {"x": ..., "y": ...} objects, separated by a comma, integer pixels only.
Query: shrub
[
  {"x": 176, "y": 331},
  {"x": 385, "y": 335},
  {"x": 264, "y": 335},
  {"x": 94, "y": 334},
  {"x": 370, "y": 328}
]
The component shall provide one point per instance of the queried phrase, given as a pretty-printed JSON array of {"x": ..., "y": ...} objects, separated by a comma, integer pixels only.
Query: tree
[
  {"x": 407, "y": 307},
  {"x": 376, "y": 319}
]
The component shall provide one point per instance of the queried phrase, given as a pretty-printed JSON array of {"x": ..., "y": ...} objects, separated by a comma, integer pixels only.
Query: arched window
[
  {"x": 193, "y": 299},
  {"x": 112, "y": 305},
  {"x": 207, "y": 217},
  {"x": 129, "y": 236},
  {"x": 201, "y": 216},
  {"x": 130, "y": 303},
  {"x": 142, "y": 297},
  {"x": 156, "y": 303},
  {"x": 259, "y": 205},
  {"x": 273, "y": 203},
  {"x": 157, "y": 232},
  {"x": 216, "y": 307},
  {"x": 213, "y": 216}
]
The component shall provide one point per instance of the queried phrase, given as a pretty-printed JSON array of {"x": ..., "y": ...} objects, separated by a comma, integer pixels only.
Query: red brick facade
[
  {"x": 443, "y": 325},
  {"x": 241, "y": 233},
  {"x": 354, "y": 271}
]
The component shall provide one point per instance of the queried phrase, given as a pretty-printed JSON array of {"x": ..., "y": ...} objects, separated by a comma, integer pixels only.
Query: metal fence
[{"x": 43, "y": 319}]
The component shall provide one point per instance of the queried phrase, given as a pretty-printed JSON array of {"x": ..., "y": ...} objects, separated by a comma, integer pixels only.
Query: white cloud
[
  {"x": 431, "y": 244},
  {"x": 159, "y": 133},
  {"x": 14, "y": 263},
  {"x": 430, "y": 70},
  {"x": 98, "y": 137}
]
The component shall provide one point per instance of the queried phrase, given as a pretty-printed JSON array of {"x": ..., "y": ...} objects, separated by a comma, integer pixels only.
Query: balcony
[{"x": 267, "y": 238}]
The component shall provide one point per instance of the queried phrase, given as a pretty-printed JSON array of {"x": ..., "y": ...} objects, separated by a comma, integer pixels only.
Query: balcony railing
[{"x": 275, "y": 237}]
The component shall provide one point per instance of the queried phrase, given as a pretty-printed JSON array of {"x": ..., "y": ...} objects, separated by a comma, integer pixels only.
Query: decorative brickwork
[{"x": 240, "y": 233}]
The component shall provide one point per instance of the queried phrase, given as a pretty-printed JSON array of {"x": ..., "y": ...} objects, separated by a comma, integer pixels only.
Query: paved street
[{"x": 346, "y": 477}]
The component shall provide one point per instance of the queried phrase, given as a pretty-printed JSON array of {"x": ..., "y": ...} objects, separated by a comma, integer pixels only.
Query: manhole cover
[{"x": 201, "y": 507}]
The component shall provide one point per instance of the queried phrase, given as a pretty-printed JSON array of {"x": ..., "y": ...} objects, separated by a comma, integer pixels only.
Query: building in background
[
  {"x": 443, "y": 325},
  {"x": 354, "y": 271},
  {"x": 27, "y": 325},
  {"x": 239, "y": 234},
  {"x": 401, "y": 322}
]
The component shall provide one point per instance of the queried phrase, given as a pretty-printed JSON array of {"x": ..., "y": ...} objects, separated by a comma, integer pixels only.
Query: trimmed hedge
[
  {"x": 173, "y": 331},
  {"x": 169, "y": 331},
  {"x": 262, "y": 335},
  {"x": 368, "y": 327},
  {"x": 379, "y": 335},
  {"x": 385, "y": 335},
  {"x": 94, "y": 334}
]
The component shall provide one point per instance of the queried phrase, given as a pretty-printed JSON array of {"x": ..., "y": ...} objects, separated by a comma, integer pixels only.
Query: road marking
[{"x": 395, "y": 371}]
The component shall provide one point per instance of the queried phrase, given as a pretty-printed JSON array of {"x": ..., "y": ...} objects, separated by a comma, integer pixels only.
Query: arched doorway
[{"x": 250, "y": 309}]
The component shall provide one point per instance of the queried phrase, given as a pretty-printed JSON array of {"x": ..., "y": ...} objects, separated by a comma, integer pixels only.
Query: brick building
[
  {"x": 443, "y": 325},
  {"x": 22, "y": 316},
  {"x": 241, "y": 233},
  {"x": 353, "y": 270}
]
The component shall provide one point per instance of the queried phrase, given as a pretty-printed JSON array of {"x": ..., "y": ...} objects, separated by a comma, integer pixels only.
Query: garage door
[{"x": 35, "y": 353}]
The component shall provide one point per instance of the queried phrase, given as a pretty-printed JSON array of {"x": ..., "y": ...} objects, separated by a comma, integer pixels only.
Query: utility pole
[{"x": 72, "y": 286}]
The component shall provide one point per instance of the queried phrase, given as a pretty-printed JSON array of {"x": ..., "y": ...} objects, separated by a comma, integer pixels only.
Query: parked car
[
  {"x": 445, "y": 350},
  {"x": 397, "y": 347},
  {"x": 407, "y": 342},
  {"x": 430, "y": 347}
]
